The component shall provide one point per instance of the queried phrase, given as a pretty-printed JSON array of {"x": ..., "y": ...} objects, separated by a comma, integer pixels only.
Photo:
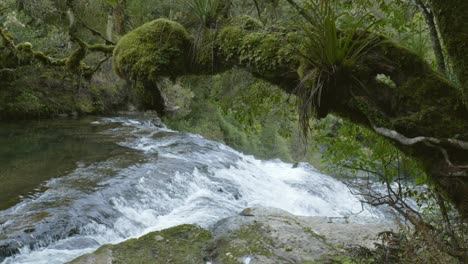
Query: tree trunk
[
  {"x": 120, "y": 17},
  {"x": 452, "y": 20},
  {"x": 437, "y": 46}
]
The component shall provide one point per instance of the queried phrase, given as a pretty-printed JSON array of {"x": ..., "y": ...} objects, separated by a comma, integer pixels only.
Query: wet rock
[
  {"x": 74, "y": 243},
  {"x": 180, "y": 244},
  {"x": 247, "y": 212},
  {"x": 36, "y": 229},
  {"x": 8, "y": 247}
]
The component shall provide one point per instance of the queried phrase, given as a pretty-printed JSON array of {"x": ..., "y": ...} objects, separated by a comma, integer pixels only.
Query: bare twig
[
  {"x": 258, "y": 10},
  {"x": 96, "y": 33}
]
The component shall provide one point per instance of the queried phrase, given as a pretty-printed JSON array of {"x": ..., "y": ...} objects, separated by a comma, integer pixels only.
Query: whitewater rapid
[{"x": 172, "y": 178}]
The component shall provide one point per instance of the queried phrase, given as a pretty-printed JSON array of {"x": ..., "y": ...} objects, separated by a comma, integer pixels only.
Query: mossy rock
[
  {"x": 180, "y": 244},
  {"x": 155, "y": 49}
]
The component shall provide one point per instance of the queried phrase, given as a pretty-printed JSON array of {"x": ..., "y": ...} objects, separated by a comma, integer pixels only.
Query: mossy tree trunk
[
  {"x": 452, "y": 21},
  {"x": 418, "y": 110}
]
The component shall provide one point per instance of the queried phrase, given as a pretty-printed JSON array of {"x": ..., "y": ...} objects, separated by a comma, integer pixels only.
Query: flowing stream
[{"x": 144, "y": 177}]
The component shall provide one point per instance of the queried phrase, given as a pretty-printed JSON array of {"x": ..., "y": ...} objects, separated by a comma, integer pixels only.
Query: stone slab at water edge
[{"x": 256, "y": 235}]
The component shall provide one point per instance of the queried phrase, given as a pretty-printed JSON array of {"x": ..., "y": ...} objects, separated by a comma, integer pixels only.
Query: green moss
[
  {"x": 372, "y": 112},
  {"x": 180, "y": 244},
  {"x": 25, "y": 46},
  {"x": 269, "y": 55},
  {"x": 246, "y": 23},
  {"x": 101, "y": 48},
  {"x": 158, "y": 48},
  {"x": 74, "y": 61},
  {"x": 229, "y": 41},
  {"x": 249, "y": 240},
  {"x": 322, "y": 239}
]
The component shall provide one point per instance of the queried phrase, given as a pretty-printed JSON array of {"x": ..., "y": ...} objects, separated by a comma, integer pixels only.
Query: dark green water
[{"x": 32, "y": 152}]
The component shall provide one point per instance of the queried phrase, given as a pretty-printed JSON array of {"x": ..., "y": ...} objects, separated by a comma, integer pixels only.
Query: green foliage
[
  {"x": 112, "y": 3},
  {"x": 26, "y": 102},
  {"x": 352, "y": 151},
  {"x": 204, "y": 11},
  {"x": 41, "y": 10},
  {"x": 400, "y": 20},
  {"x": 143, "y": 11},
  {"x": 247, "y": 114},
  {"x": 252, "y": 105}
]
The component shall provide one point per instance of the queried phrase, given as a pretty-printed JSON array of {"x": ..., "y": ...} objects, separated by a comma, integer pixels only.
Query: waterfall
[{"x": 167, "y": 178}]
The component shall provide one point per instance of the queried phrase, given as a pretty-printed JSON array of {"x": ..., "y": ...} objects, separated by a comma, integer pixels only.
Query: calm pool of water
[{"x": 32, "y": 152}]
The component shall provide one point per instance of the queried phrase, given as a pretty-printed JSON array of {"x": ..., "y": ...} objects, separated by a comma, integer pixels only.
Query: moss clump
[
  {"x": 25, "y": 46},
  {"x": 158, "y": 48}
]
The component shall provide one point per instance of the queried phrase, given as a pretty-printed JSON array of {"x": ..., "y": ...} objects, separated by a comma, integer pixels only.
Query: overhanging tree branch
[{"x": 421, "y": 107}]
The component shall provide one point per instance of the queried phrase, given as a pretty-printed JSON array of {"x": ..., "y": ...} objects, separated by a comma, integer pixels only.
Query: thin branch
[
  {"x": 411, "y": 141},
  {"x": 300, "y": 10},
  {"x": 429, "y": 141},
  {"x": 7, "y": 70},
  {"x": 447, "y": 158},
  {"x": 258, "y": 10},
  {"x": 96, "y": 33},
  {"x": 402, "y": 139},
  {"x": 97, "y": 67}
]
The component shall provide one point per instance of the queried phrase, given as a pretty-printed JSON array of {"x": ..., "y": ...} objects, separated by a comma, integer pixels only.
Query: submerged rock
[
  {"x": 258, "y": 235},
  {"x": 26, "y": 231}
]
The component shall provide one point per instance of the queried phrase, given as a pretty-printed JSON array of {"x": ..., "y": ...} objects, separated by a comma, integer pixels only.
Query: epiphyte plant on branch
[{"x": 328, "y": 55}]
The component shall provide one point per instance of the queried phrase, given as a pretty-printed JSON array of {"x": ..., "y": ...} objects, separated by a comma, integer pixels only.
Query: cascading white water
[{"x": 175, "y": 178}]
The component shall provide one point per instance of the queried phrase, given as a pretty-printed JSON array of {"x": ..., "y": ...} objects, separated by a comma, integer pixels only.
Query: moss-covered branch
[
  {"x": 418, "y": 102},
  {"x": 74, "y": 63}
]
